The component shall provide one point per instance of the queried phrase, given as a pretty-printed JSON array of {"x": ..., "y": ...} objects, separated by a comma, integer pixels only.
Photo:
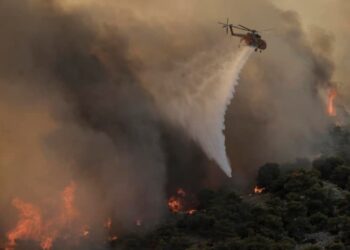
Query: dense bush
[
  {"x": 296, "y": 204},
  {"x": 267, "y": 174}
]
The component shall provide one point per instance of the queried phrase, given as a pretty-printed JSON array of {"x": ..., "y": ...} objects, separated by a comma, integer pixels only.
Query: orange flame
[
  {"x": 258, "y": 190},
  {"x": 179, "y": 202},
  {"x": 68, "y": 200},
  {"x": 46, "y": 244},
  {"x": 29, "y": 224},
  {"x": 174, "y": 204},
  {"x": 330, "y": 102},
  {"x": 32, "y": 226}
]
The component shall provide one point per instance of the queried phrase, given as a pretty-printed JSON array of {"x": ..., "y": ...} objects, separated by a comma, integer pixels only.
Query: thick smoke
[
  {"x": 72, "y": 110},
  {"x": 88, "y": 89},
  {"x": 337, "y": 27}
]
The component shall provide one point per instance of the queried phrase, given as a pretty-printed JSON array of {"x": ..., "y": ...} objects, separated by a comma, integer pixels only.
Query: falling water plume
[{"x": 198, "y": 103}]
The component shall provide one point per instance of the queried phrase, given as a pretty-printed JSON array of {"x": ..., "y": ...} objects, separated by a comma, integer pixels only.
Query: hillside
[{"x": 296, "y": 209}]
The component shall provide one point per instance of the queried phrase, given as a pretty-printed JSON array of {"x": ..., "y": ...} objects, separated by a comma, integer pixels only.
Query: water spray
[{"x": 198, "y": 102}]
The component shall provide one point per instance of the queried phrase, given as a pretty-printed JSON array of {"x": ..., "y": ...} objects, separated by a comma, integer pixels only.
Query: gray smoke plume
[
  {"x": 82, "y": 87},
  {"x": 73, "y": 110}
]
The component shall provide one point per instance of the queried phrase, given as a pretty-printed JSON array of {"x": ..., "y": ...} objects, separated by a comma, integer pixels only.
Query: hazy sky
[{"x": 332, "y": 16}]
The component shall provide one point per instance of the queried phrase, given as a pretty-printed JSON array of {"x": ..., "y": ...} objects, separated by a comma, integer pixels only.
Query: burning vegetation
[
  {"x": 181, "y": 202},
  {"x": 298, "y": 205},
  {"x": 33, "y": 225},
  {"x": 258, "y": 190},
  {"x": 332, "y": 94},
  {"x": 36, "y": 224}
]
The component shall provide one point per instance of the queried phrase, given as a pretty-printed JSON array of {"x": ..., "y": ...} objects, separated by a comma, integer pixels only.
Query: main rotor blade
[
  {"x": 244, "y": 27},
  {"x": 239, "y": 28}
]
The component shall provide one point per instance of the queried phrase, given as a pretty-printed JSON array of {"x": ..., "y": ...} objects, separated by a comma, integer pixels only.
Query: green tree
[
  {"x": 257, "y": 242},
  {"x": 326, "y": 166},
  {"x": 335, "y": 246},
  {"x": 205, "y": 198},
  {"x": 178, "y": 243},
  {"x": 285, "y": 244},
  {"x": 340, "y": 176},
  {"x": 267, "y": 174},
  {"x": 318, "y": 221},
  {"x": 299, "y": 181},
  {"x": 298, "y": 227},
  {"x": 295, "y": 209},
  {"x": 340, "y": 143},
  {"x": 339, "y": 224},
  {"x": 312, "y": 248}
]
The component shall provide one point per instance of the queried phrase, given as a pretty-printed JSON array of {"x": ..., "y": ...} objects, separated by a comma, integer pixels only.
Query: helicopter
[{"x": 252, "y": 38}]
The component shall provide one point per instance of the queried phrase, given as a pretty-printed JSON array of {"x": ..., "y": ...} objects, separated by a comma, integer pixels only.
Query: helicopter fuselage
[
  {"x": 251, "y": 39},
  {"x": 254, "y": 40}
]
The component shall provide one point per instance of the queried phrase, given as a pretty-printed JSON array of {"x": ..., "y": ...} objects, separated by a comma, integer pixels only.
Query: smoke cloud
[
  {"x": 68, "y": 117},
  {"x": 118, "y": 96}
]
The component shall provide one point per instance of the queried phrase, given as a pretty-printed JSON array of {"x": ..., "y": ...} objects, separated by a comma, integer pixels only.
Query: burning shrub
[
  {"x": 182, "y": 202},
  {"x": 32, "y": 225}
]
